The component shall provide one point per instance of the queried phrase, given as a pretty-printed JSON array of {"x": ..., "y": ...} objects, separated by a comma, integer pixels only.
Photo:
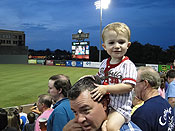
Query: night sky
[{"x": 51, "y": 23}]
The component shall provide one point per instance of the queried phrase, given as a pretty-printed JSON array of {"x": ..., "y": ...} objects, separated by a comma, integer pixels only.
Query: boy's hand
[{"x": 99, "y": 92}]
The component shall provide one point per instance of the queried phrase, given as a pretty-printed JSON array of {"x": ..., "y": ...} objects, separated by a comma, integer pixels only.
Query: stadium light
[{"x": 101, "y": 4}]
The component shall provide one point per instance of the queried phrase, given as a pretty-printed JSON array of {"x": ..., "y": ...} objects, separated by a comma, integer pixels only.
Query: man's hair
[
  {"x": 20, "y": 108},
  {"x": 171, "y": 73},
  {"x": 85, "y": 83},
  {"x": 118, "y": 28},
  {"x": 3, "y": 119},
  {"x": 149, "y": 74},
  {"x": 45, "y": 99},
  {"x": 163, "y": 79},
  {"x": 13, "y": 118},
  {"x": 31, "y": 117},
  {"x": 61, "y": 82}
]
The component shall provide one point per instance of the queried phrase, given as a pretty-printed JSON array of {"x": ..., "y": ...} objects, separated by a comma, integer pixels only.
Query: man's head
[
  {"x": 31, "y": 117},
  {"x": 116, "y": 38},
  {"x": 89, "y": 114},
  {"x": 3, "y": 119},
  {"x": 44, "y": 102},
  {"x": 170, "y": 75},
  {"x": 147, "y": 80},
  {"x": 58, "y": 86}
]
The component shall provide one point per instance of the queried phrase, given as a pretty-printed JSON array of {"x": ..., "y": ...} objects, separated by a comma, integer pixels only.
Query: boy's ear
[
  {"x": 104, "y": 46},
  {"x": 129, "y": 44}
]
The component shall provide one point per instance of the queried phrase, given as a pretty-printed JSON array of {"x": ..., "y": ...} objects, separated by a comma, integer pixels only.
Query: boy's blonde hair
[{"x": 118, "y": 28}]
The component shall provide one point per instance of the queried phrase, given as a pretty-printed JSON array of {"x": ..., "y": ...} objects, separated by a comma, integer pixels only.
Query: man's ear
[
  {"x": 104, "y": 46},
  {"x": 43, "y": 105},
  {"x": 146, "y": 84},
  {"x": 129, "y": 44},
  {"x": 105, "y": 104},
  {"x": 60, "y": 90}
]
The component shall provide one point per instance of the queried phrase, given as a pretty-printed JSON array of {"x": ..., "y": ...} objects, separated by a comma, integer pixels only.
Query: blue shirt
[
  {"x": 155, "y": 114},
  {"x": 170, "y": 92},
  {"x": 60, "y": 116},
  {"x": 130, "y": 127}
]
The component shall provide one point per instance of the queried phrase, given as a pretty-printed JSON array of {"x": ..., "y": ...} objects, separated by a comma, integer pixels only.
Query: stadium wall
[{"x": 13, "y": 59}]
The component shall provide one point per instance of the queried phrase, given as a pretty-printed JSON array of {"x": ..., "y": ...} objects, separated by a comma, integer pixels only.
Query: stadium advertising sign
[
  {"x": 59, "y": 63},
  {"x": 154, "y": 66},
  {"x": 91, "y": 64},
  {"x": 32, "y": 61},
  {"x": 74, "y": 63},
  {"x": 164, "y": 68},
  {"x": 41, "y": 62},
  {"x": 80, "y": 50},
  {"x": 49, "y": 62}
]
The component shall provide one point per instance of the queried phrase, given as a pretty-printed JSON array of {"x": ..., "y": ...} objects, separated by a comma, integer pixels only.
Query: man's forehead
[{"x": 84, "y": 99}]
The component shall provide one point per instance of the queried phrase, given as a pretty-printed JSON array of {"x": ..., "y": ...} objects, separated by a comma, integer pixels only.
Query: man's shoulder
[
  {"x": 172, "y": 83},
  {"x": 130, "y": 127},
  {"x": 62, "y": 106}
]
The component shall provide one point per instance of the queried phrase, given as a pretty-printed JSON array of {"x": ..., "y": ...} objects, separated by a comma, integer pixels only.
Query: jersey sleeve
[{"x": 129, "y": 73}]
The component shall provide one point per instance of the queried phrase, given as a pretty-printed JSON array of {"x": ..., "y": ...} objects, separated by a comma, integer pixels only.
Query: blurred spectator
[
  {"x": 170, "y": 93},
  {"x": 35, "y": 110},
  {"x": 4, "y": 121},
  {"x": 62, "y": 114},
  {"x": 161, "y": 89},
  {"x": 174, "y": 64},
  {"x": 23, "y": 117},
  {"x": 44, "y": 103},
  {"x": 31, "y": 125},
  {"x": 13, "y": 118},
  {"x": 156, "y": 113}
]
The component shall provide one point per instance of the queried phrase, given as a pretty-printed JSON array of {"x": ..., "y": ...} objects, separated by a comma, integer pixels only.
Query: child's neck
[{"x": 116, "y": 61}]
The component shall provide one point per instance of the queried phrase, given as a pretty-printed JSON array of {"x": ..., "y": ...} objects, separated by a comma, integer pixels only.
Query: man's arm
[{"x": 171, "y": 101}]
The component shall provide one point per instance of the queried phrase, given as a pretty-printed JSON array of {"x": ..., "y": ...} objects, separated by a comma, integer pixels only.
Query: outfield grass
[{"x": 21, "y": 84}]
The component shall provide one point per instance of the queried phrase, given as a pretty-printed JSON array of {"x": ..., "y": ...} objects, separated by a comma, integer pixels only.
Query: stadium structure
[{"x": 12, "y": 47}]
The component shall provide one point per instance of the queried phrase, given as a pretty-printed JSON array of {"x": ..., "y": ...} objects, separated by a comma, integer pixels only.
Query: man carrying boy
[{"x": 90, "y": 114}]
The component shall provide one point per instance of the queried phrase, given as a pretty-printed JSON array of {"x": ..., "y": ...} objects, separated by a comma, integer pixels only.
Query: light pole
[{"x": 101, "y": 4}]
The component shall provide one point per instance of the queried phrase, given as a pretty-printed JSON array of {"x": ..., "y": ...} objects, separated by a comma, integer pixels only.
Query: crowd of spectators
[{"x": 152, "y": 110}]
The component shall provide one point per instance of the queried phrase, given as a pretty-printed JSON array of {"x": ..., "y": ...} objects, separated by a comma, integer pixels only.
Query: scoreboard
[{"x": 80, "y": 50}]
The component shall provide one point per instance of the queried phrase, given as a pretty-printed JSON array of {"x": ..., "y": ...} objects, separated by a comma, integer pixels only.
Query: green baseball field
[{"x": 21, "y": 84}]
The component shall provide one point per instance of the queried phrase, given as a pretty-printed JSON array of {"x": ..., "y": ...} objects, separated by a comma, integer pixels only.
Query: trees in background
[{"x": 138, "y": 53}]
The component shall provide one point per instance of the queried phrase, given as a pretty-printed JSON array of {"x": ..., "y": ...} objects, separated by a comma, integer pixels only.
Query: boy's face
[{"x": 115, "y": 44}]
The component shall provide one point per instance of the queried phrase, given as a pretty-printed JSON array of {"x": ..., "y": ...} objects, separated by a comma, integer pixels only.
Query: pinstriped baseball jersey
[{"x": 123, "y": 72}]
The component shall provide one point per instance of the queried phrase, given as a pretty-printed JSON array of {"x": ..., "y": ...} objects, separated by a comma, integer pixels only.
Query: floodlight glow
[{"x": 102, "y": 3}]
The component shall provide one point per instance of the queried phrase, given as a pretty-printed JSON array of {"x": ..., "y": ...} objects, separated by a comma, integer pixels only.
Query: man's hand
[
  {"x": 72, "y": 125},
  {"x": 99, "y": 92}
]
